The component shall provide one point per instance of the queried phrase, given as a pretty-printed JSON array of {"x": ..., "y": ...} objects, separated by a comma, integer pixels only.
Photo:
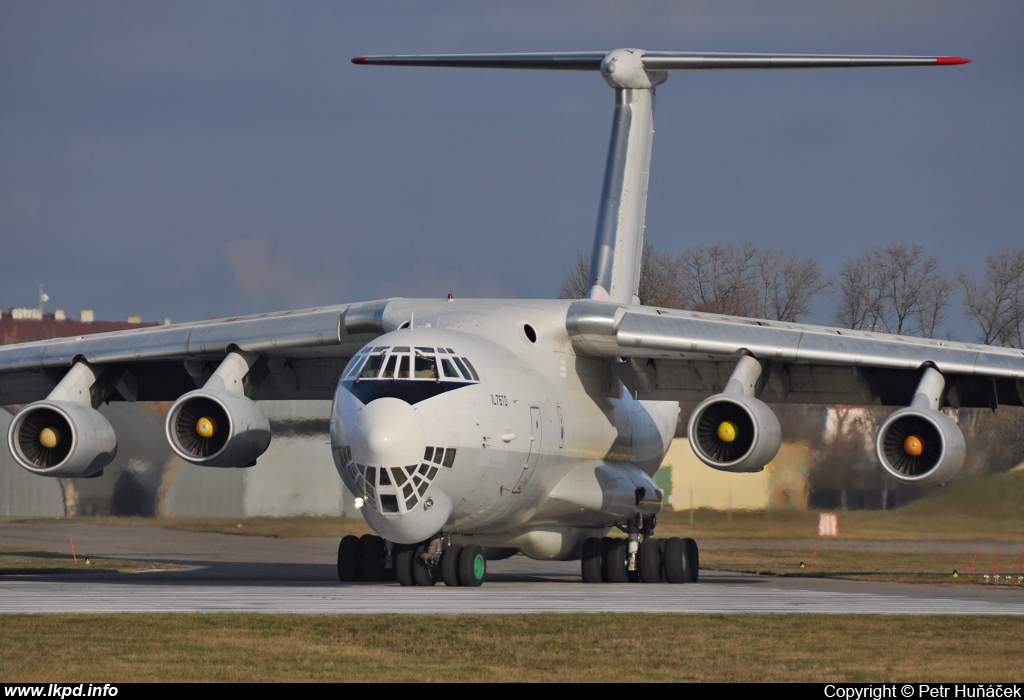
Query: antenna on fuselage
[{"x": 634, "y": 74}]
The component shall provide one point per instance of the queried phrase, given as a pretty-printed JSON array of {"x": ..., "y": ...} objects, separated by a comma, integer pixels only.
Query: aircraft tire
[
  {"x": 450, "y": 565},
  {"x": 423, "y": 574},
  {"x": 403, "y": 564},
  {"x": 348, "y": 559},
  {"x": 675, "y": 561},
  {"x": 649, "y": 560},
  {"x": 590, "y": 563},
  {"x": 472, "y": 566},
  {"x": 371, "y": 554},
  {"x": 692, "y": 559},
  {"x": 661, "y": 558},
  {"x": 614, "y": 553}
]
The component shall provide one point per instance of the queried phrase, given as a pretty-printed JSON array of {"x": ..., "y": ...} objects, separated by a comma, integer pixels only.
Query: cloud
[
  {"x": 264, "y": 275},
  {"x": 428, "y": 279}
]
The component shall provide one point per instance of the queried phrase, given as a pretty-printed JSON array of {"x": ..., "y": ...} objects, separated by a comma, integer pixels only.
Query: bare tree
[
  {"x": 723, "y": 278},
  {"x": 895, "y": 289},
  {"x": 577, "y": 279},
  {"x": 659, "y": 280},
  {"x": 750, "y": 281},
  {"x": 996, "y": 304},
  {"x": 658, "y": 285},
  {"x": 720, "y": 278},
  {"x": 786, "y": 286}
]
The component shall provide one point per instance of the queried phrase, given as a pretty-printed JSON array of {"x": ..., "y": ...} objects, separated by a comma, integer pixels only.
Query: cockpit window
[
  {"x": 472, "y": 371},
  {"x": 465, "y": 372},
  {"x": 372, "y": 367},
  {"x": 404, "y": 362},
  {"x": 426, "y": 367}
]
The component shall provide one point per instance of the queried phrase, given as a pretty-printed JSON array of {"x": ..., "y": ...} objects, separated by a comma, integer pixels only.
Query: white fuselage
[{"x": 464, "y": 424}]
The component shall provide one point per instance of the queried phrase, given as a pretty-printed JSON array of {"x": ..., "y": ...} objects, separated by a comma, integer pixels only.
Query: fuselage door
[{"x": 530, "y": 466}]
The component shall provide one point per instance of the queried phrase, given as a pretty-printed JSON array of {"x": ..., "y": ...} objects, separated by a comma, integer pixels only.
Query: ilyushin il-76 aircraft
[{"x": 472, "y": 430}]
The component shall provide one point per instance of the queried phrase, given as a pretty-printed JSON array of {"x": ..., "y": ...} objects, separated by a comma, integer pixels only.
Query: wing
[
  {"x": 212, "y": 370},
  {"x": 686, "y": 355},
  {"x": 682, "y": 355},
  {"x": 300, "y": 355}
]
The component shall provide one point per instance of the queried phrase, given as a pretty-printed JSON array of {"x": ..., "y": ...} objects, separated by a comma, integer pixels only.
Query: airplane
[{"x": 472, "y": 430}]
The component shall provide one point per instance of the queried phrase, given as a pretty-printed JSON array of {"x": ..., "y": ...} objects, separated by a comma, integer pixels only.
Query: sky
[{"x": 207, "y": 159}]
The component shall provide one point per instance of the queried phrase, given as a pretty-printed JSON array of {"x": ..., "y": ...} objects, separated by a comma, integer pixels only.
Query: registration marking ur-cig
[{"x": 923, "y": 690}]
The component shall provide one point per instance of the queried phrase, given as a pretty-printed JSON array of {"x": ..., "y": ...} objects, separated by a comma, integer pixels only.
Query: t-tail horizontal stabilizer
[{"x": 634, "y": 73}]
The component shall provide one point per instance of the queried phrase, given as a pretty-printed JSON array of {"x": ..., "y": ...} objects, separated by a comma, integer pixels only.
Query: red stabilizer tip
[
  {"x": 359, "y": 59},
  {"x": 951, "y": 60}
]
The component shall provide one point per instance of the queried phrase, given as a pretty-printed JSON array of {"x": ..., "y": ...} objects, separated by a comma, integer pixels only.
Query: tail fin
[{"x": 634, "y": 73}]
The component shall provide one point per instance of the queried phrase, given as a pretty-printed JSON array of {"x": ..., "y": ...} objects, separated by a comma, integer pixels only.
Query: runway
[{"x": 229, "y": 573}]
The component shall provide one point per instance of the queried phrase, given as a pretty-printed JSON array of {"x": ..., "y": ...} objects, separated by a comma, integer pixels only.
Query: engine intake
[
  {"x": 61, "y": 439},
  {"x": 217, "y": 429},
  {"x": 734, "y": 433},
  {"x": 920, "y": 446}
]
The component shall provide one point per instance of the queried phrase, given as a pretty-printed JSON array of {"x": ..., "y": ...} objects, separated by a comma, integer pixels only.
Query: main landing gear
[
  {"x": 640, "y": 557},
  {"x": 371, "y": 558}
]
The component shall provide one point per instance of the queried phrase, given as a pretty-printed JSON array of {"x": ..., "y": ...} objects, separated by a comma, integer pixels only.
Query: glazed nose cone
[{"x": 388, "y": 433}]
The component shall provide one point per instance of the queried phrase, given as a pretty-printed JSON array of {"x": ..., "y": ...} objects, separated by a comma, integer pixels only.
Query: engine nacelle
[
  {"x": 734, "y": 433},
  {"x": 217, "y": 429},
  {"x": 62, "y": 439},
  {"x": 920, "y": 446}
]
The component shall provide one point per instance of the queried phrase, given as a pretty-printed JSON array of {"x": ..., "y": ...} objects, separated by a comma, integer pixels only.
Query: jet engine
[
  {"x": 218, "y": 426},
  {"x": 733, "y": 431},
  {"x": 920, "y": 446},
  {"x": 61, "y": 439},
  {"x": 217, "y": 429}
]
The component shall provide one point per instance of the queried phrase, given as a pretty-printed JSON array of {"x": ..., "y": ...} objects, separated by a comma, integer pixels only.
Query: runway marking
[{"x": 91, "y": 597}]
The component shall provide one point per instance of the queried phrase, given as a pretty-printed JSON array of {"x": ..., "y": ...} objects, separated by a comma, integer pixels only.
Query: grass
[
  {"x": 890, "y": 525},
  {"x": 556, "y": 647},
  {"x": 22, "y": 560},
  {"x": 298, "y": 526},
  {"x": 867, "y": 565}
]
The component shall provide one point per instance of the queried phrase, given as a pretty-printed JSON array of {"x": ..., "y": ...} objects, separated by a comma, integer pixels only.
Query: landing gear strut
[{"x": 640, "y": 557}]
